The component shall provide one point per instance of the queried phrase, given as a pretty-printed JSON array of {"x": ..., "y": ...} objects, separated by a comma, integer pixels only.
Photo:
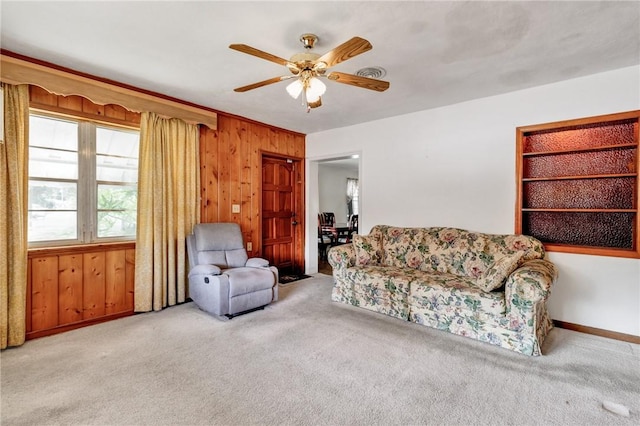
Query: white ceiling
[
  {"x": 343, "y": 163},
  {"x": 435, "y": 53}
]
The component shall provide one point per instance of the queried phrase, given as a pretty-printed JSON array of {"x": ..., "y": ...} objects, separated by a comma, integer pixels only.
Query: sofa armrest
[
  {"x": 257, "y": 262},
  {"x": 528, "y": 285},
  {"x": 341, "y": 257}
]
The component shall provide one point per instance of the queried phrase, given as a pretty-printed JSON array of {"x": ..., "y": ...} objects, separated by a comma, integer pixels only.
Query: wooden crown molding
[{"x": 18, "y": 70}]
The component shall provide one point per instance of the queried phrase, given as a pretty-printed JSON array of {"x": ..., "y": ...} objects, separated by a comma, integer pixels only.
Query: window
[
  {"x": 82, "y": 181},
  {"x": 352, "y": 197}
]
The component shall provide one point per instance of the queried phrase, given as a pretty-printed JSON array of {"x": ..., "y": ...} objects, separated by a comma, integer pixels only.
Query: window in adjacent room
[
  {"x": 352, "y": 196},
  {"x": 82, "y": 181}
]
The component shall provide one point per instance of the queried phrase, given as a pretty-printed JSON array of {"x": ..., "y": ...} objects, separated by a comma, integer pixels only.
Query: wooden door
[{"x": 281, "y": 213}]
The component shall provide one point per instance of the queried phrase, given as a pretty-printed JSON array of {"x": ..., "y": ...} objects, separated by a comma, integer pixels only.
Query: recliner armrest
[
  {"x": 205, "y": 270},
  {"x": 257, "y": 262}
]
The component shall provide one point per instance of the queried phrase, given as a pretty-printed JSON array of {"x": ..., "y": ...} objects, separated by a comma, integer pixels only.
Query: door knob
[{"x": 294, "y": 223}]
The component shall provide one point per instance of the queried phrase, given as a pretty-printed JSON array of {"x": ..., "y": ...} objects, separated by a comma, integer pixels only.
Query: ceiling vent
[{"x": 372, "y": 72}]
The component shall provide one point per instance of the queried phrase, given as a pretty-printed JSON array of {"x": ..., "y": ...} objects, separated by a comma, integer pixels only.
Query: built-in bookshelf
[{"x": 577, "y": 184}]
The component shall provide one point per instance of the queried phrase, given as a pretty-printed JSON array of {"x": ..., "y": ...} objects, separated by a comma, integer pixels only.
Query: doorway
[
  {"x": 335, "y": 177},
  {"x": 282, "y": 213}
]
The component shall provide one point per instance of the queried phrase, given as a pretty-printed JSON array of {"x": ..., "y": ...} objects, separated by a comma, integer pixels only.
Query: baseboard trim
[
  {"x": 72, "y": 326},
  {"x": 598, "y": 332}
]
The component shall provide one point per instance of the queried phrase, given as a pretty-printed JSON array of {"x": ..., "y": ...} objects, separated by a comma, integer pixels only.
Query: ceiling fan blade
[
  {"x": 261, "y": 83},
  {"x": 345, "y": 51},
  {"x": 260, "y": 54},
  {"x": 356, "y": 80}
]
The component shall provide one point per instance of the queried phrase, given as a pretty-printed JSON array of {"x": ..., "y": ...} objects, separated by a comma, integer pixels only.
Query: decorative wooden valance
[{"x": 19, "y": 71}]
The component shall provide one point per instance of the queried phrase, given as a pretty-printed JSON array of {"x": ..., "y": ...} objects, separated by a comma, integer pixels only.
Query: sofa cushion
[
  {"x": 383, "y": 289},
  {"x": 498, "y": 245},
  {"x": 449, "y": 293},
  {"x": 495, "y": 276},
  {"x": 447, "y": 250},
  {"x": 384, "y": 278},
  {"x": 457, "y": 251},
  {"x": 451, "y": 250},
  {"x": 405, "y": 247},
  {"x": 367, "y": 249}
]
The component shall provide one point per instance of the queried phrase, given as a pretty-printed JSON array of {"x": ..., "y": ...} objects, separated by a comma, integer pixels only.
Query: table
[{"x": 339, "y": 230}]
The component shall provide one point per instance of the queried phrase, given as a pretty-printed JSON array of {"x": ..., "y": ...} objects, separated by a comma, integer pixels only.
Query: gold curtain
[
  {"x": 14, "y": 178},
  {"x": 168, "y": 207}
]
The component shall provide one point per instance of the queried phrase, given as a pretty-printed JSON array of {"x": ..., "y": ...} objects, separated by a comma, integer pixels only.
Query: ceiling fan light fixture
[
  {"x": 314, "y": 104},
  {"x": 311, "y": 98},
  {"x": 315, "y": 88},
  {"x": 294, "y": 89}
]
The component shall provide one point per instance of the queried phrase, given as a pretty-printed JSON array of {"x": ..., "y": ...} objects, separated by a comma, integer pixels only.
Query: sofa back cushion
[
  {"x": 367, "y": 249},
  {"x": 451, "y": 250},
  {"x": 495, "y": 276},
  {"x": 509, "y": 244}
]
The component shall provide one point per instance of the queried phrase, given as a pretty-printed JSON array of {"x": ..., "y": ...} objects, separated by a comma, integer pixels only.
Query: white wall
[
  {"x": 455, "y": 166},
  {"x": 332, "y": 182}
]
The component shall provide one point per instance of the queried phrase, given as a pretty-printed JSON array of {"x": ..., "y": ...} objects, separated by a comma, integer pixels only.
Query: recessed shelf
[
  {"x": 581, "y": 210},
  {"x": 576, "y": 150},
  {"x": 615, "y": 175},
  {"x": 578, "y": 186}
]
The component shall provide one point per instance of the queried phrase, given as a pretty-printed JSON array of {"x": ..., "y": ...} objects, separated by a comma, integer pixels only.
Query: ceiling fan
[{"x": 307, "y": 68}]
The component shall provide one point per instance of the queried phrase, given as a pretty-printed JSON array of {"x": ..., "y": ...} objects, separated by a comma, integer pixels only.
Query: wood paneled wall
[
  {"x": 231, "y": 172},
  {"x": 77, "y": 286}
]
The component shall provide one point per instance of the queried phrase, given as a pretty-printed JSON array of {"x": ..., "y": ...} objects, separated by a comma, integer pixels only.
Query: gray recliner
[{"x": 222, "y": 279}]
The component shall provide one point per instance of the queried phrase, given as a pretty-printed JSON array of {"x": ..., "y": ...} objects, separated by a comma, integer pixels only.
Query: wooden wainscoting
[{"x": 71, "y": 287}]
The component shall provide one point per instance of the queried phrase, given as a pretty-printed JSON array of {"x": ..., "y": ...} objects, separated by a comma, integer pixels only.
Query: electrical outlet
[
  {"x": 235, "y": 208},
  {"x": 249, "y": 246}
]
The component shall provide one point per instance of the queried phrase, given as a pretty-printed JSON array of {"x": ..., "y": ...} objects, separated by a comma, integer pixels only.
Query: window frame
[{"x": 87, "y": 183}]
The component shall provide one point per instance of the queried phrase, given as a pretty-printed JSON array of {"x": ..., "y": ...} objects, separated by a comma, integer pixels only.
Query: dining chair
[
  {"x": 326, "y": 238},
  {"x": 328, "y": 219},
  {"x": 346, "y": 235},
  {"x": 353, "y": 223}
]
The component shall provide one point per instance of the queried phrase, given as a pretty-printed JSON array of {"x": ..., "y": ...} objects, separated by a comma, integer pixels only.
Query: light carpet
[{"x": 307, "y": 360}]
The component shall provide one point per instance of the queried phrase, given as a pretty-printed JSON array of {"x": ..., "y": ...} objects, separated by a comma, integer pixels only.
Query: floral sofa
[{"x": 488, "y": 287}]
